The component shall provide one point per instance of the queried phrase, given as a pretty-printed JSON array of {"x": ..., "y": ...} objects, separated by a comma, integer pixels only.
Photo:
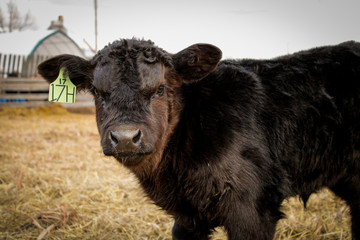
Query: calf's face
[
  {"x": 135, "y": 85},
  {"x": 132, "y": 100}
]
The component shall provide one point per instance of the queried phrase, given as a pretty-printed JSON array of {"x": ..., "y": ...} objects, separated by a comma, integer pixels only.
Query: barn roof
[{"x": 47, "y": 42}]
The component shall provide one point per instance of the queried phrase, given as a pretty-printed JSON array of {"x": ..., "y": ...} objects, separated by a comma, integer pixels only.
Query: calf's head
[{"x": 135, "y": 87}]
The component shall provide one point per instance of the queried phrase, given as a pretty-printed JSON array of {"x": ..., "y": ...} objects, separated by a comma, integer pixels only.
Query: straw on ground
[{"x": 55, "y": 183}]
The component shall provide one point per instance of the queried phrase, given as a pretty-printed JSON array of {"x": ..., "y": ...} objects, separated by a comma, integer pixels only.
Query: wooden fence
[
  {"x": 20, "y": 84},
  {"x": 12, "y": 65}
]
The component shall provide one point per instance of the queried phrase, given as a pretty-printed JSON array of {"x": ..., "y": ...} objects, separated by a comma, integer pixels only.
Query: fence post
[
  {"x": 4, "y": 67},
  {"x": 13, "y": 68},
  {"x": 9, "y": 64},
  {"x": 1, "y": 70},
  {"x": 36, "y": 63},
  {"x": 18, "y": 72},
  {"x": 23, "y": 67}
]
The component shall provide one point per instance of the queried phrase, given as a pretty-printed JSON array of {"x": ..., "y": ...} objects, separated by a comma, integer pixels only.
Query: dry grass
[{"x": 56, "y": 184}]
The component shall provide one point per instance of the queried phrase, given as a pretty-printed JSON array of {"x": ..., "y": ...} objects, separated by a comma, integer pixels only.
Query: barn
[{"x": 21, "y": 52}]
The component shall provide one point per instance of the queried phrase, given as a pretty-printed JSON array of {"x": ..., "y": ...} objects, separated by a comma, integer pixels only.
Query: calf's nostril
[
  {"x": 137, "y": 137},
  {"x": 114, "y": 137}
]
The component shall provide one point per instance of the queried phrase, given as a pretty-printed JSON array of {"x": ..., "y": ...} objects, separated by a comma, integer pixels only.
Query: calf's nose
[{"x": 126, "y": 140}]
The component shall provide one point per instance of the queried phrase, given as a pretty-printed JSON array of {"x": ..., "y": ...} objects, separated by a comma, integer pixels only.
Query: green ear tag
[{"x": 62, "y": 89}]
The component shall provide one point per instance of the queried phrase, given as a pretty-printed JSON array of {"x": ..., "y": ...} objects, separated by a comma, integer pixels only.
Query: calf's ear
[
  {"x": 80, "y": 70},
  {"x": 197, "y": 61}
]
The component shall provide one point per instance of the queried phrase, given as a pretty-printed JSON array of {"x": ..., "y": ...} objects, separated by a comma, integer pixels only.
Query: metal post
[{"x": 96, "y": 27}]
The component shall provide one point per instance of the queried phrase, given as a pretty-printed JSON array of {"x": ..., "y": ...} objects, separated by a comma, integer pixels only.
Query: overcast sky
[{"x": 241, "y": 28}]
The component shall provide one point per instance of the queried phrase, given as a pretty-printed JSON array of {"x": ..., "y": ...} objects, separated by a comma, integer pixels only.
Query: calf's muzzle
[{"x": 125, "y": 140}]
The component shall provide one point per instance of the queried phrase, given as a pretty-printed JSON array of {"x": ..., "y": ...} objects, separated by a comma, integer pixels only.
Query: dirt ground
[{"x": 55, "y": 183}]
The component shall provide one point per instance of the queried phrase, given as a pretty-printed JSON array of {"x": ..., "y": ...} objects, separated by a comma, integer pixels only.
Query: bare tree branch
[
  {"x": 27, "y": 22},
  {"x": 14, "y": 19},
  {"x": 2, "y": 21},
  {"x": 13, "y": 16}
]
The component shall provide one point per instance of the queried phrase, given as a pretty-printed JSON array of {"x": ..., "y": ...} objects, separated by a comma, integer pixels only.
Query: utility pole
[{"x": 96, "y": 27}]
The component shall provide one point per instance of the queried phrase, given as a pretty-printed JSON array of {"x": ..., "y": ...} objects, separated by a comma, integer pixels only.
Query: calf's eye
[
  {"x": 95, "y": 91},
  {"x": 160, "y": 91}
]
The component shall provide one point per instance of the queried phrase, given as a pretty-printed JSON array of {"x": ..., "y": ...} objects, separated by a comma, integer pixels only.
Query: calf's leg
[
  {"x": 251, "y": 224},
  {"x": 349, "y": 190},
  {"x": 180, "y": 232}
]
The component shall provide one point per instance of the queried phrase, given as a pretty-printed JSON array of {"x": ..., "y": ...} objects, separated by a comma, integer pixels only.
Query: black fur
[{"x": 245, "y": 135}]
